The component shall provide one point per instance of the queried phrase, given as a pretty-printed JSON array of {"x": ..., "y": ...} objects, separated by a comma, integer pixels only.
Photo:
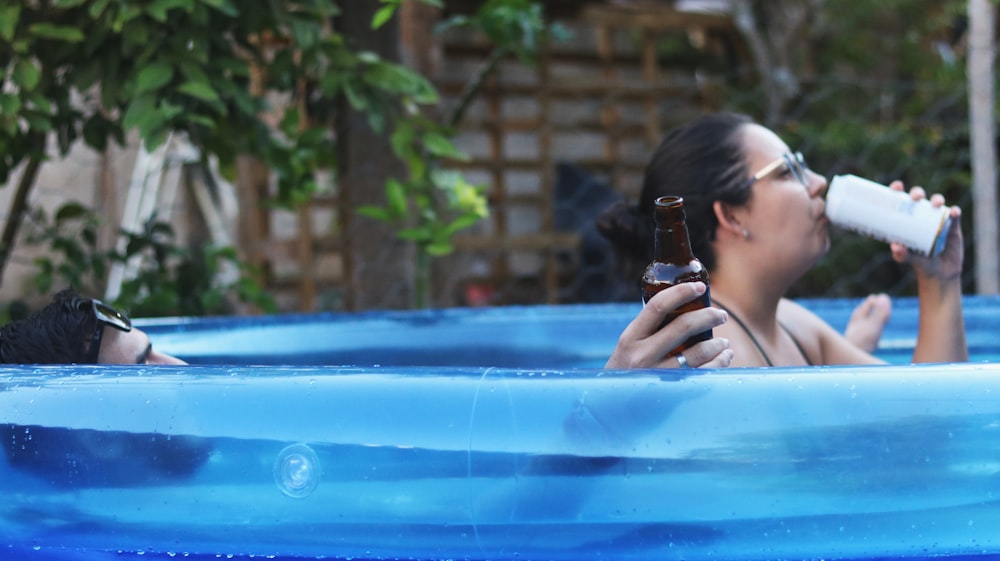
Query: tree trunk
[
  {"x": 19, "y": 204},
  {"x": 378, "y": 265},
  {"x": 983, "y": 134}
]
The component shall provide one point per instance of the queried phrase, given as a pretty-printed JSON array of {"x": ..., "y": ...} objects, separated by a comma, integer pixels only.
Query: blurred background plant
[
  {"x": 170, "y": 279},
  {"x": 433, "y": 203},
  {"x": 93, "y": 70}
]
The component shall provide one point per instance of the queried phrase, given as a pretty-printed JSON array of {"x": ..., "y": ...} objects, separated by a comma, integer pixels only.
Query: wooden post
[
  {"x": 982, "y": 99},
  {"x": 252, "y": 186},
  {"x": 547, "y": 174}
]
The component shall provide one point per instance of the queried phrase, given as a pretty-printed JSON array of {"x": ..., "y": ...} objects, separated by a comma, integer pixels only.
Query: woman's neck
[{"x": 755, "y": 299}]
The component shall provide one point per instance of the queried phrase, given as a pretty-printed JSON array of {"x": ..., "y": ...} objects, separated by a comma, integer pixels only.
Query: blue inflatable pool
[{"x": 494, "y": 435}]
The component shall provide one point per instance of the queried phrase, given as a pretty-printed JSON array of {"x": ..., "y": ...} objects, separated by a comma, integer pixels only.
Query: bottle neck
[{"x": 671, "y": 243}]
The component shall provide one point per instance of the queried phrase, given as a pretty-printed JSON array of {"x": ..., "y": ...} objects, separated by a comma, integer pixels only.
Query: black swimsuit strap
[
  {"x": 756, "y": 343},
  {"x": 797, "y": 344}
]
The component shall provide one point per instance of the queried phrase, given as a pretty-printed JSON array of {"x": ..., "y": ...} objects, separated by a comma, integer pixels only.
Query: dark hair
[
  {"x": 702, "y": 161},
  {"x": 59, "y": 333}
]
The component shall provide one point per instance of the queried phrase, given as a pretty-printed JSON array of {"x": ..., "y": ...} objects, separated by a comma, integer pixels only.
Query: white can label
[{"x": 882, "y": 213}]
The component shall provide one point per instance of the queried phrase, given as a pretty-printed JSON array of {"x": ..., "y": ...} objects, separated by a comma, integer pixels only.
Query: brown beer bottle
[{"x": 673, "y": 263}]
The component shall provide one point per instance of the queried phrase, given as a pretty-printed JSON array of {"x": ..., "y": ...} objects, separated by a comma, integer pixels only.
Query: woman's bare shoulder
[{"x": 791, "y": 313}]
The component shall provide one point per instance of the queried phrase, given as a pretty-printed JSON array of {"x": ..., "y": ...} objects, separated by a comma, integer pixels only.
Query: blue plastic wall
[
  {"x": 484, "y": 456},
  {"x": 581, "y": 336}
]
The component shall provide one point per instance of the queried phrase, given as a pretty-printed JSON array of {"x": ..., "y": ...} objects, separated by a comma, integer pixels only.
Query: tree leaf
[
  {"x": 70, "y": 211},
  {"x": 10, "y": 104},
  {"x": 439, "y": 248},
  {"x": 97, "y": 8},
  {"x": 224, "y": 6},
  {"x": 378, "y": 213},
  {"x": 26, "y": 74},
  {"x": 395, "y": 194},
  {"x": 402, "y": 138},
  {"x": 57, "y": 32},
  {"x": 439, "y": 145},
  {"x": 199, "y": 90},
  {"x": 192, "y": 71},
  {"x": 9, "y": 16},
  {"x": 137, "y": 111},
  {"x": 37, "y": 101},
  {"x": 358, "y": 101},
  {"x": 159, "y": 8},
  {"x": 37, "y": 121},
  {"x": 155, "y": 135},
  {"x": 461, "y": 223},
  {"x": 154, "y": 77},
  {"x": 95, "y": 133},
  {"x": 383, "y": 15},
  {"x": 418, "y": 234}
]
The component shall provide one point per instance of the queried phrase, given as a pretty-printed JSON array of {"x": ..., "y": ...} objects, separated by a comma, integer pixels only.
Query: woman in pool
[{"x": 756, "y": 216}]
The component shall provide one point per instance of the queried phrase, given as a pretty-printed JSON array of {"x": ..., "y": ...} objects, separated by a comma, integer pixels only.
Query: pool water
[{"x": 472, "y": 460}]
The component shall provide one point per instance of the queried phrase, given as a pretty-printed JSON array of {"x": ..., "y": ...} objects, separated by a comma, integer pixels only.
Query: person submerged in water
[{"x": 74, "y": 329}]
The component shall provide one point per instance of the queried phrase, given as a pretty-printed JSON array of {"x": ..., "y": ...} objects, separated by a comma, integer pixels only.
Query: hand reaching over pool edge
[{"x": 643, "y": 344}]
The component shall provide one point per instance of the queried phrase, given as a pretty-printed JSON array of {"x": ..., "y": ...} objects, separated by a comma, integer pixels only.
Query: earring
[{"x": 746, "y": 235}]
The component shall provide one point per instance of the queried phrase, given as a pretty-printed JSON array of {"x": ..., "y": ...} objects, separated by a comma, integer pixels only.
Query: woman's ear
[{"x": 728, "y": 221}]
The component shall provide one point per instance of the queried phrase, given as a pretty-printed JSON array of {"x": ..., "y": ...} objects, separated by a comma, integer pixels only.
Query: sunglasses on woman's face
[{"x": 105, "y": 316}]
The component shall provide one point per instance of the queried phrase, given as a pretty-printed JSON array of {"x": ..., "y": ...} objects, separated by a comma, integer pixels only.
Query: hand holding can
[{"x": 875, "y": 210}]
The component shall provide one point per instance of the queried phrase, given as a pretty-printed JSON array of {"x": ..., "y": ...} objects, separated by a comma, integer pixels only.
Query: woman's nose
[{"x": 817, "y": 184}]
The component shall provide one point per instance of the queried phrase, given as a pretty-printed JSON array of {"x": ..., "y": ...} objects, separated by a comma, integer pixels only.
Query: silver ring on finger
[{"x": 683, "y": 362}]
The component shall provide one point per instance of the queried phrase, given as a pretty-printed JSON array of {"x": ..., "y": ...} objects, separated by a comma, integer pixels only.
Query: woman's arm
[
  {"x": 643, "y": 345},
  {"x": 941, "y": 328}
]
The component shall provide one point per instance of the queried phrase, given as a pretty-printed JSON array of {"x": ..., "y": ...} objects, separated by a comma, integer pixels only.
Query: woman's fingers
[
  {"x": 667, "y": 301},
  {"x": 722, "y": 360},
  {"x": 714, "y": 353},
  {"x": 686, "y": 325},
  {"x": 653, "y": 314}
]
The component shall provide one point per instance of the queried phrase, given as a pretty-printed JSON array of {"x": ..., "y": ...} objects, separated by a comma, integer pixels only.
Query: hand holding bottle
[{"x": 645, "y": 344}]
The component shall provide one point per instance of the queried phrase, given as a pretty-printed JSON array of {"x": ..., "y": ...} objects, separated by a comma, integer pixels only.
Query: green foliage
[
  {"x": 206, "y": 67},
  {"x": 432, "y": 204},
  {"x": 170, "y": 281},
  {"x": 517, "y": 26},
  {"x": 188, "y": 65},
  {"x": 72, "y": 235},
  {"x": 389, "y": 7}
]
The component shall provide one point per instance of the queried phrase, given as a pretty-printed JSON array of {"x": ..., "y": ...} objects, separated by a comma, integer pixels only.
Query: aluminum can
[{"x": 875, "y": 210}]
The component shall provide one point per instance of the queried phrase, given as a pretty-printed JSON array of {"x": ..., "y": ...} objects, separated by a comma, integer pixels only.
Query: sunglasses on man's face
[{"x": 105, "y": 316}]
